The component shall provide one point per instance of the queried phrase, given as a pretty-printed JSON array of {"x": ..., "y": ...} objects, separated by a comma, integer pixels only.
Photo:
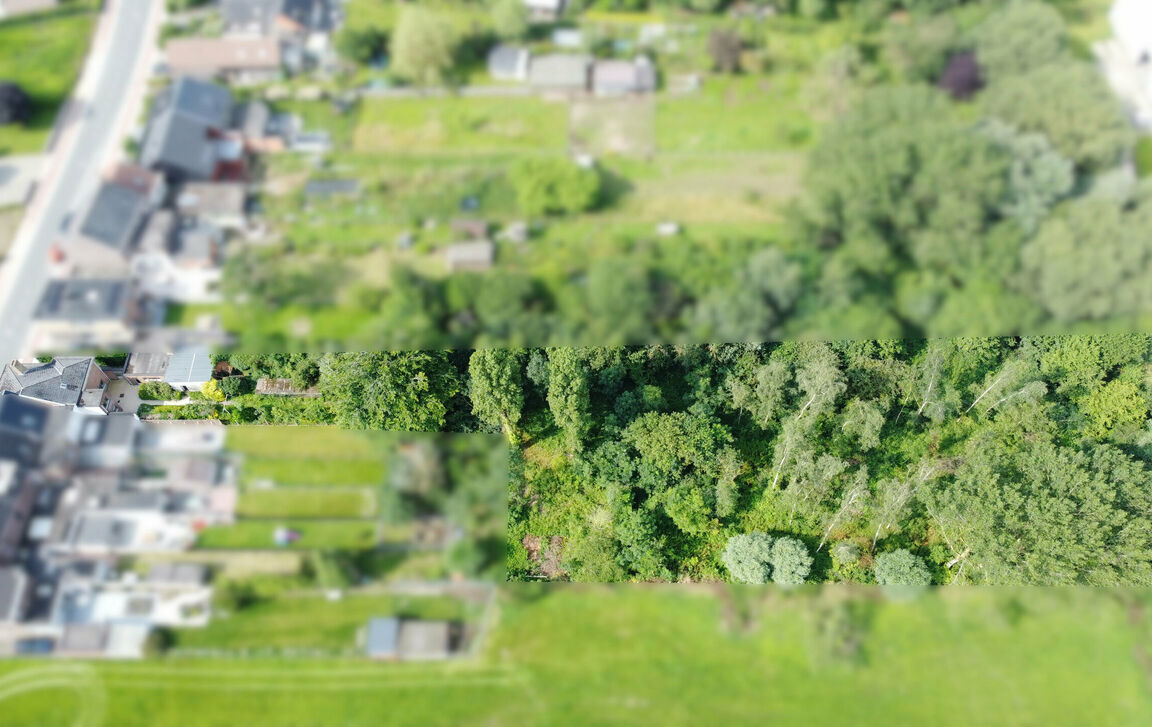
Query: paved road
[{"x": 95, "y": 130}]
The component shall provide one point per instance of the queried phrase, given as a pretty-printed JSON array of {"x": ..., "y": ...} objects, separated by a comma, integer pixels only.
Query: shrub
[
  {"x": 747, "y": 557},
  {"x": 791, "y": 561},
  {"x": 901, "y": 568},
  {"x": 157, "y": 391},
  {"x": 213, "y": 391},
  {"x": 554, "y": 186},
  {"x": 160, "y": 640},
  {"x": 234, "y": 386},
  {"x": 1144, "y": 157}
]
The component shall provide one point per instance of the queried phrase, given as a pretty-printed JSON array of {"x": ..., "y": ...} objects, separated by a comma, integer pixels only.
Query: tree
[
  {"x": 402, "y": 390},
  {"x": 791, "y": 561},
  {"x": 1071, "y": 104},
  {"x": 15, "y": 107},
  {"x": 497, "y": 390},
  {"x": 548, "y": 185},
  {"x": 901, "y": 568},
  {"x": 157, "y": 391},
  {"x": 423, "y": 45},
  {"x": 233, "y": 386},
  {"x": 863, "y": 420},
  {"x": 1021, "y": 36},
  {"x": 361, "y": 45},
  {"x": 568, "y": 395},
  {"x": 748, "y": 557},
  {"x": 510, "y": 18},
  {"x": 1038, "y": 176},
  {"x": 1115, "y": 409}
]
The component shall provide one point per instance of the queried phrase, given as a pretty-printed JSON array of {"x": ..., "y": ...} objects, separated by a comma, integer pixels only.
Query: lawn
[
  {"x": 461, "y": 125},
  {"x": 306, "y": 442},
  {"x": 626, "y": 655},
  {"x": 288, "y": 471},
  {"x": 43, "y": 53},
  {"x": 314, "y": 534},
  {"x": 289, "y": 620},
  {"x": 307, "y": 502}
]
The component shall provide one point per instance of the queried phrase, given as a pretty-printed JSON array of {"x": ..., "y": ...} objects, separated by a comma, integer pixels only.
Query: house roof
[
  {"x": 113, "y": 430},
  {"x": 13, "y": 583},
  {"x": 210, "y": 104},
  {"x": 383, "y": 638},
  {"x": 507, "y": 60},
  {"x": 197, "y": 245},
  {"x": 192, "y": 574},
  {"x": 623, "y": 75},
  {"x": 318, "y": 16},
  {"x": 211, "y": 199},
  {"x": 475, "y": 255},
  {"x": 560, "y": 70},
  {"x": 83, "y": 638},
  {"x": 253, "y": 15},
  {"x": 178, "y": 134},
  {"x": 115, "y": 215},
  {"x": 104, "y": 531},
  {"x": 157, "y": 233},
  {"x": 20, "y": 415},
  {"x": 60, "y": 381},
  {"x": 424, "y": 639},
  {"x": 209, "y": 56},
  {"x": 146, "y": 364},
  {"x": 84, "y": 299},
  {"x": 251, "y": 119},
  {"x": 189, "y": 366}
]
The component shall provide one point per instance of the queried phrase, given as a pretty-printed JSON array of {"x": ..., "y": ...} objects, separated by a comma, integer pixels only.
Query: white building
[{"x": 1127, "y": 58}]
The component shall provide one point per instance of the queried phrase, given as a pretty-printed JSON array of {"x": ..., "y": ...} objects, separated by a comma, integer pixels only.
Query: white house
[{"x": 1127, "y": 58}]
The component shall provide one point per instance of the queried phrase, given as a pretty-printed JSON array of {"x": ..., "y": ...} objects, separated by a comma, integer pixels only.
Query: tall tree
[
  {"x": 404, "y": 390},
  {"x": 568, "y": 398},
  {"x": 423, "y": 45},
  {"x": 497, "y": 392}
]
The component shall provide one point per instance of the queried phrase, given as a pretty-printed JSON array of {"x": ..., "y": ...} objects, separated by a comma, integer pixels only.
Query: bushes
[
  {"x": 158, "y": 391},
  {"x": 1144, "y": 157},
  {"x": 901, "y": 568},
  {"x": 546, "y": 186}
]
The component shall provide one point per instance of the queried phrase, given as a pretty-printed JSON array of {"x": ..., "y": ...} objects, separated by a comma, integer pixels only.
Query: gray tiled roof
[
  {"x": 104, "y": 531},
  {"x": 207, "y": 103},
  {"x": 239, "y": 14},
  {"x": 88, "y": 299},
  {"x": 13, "y": 581},
  {"x": 560, "y": 70},
  {"x": 115, "y": 215},
  {"x": 59, "y": 381}
]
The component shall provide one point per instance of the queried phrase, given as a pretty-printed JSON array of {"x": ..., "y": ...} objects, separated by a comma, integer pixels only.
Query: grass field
[
  {"x": 314, "y": 534},
  {"x": 43, "y": 53},
  {"x": 307, "y": 502},
  {"x": 314, "y": 472},
  {"x": 461, "y": 125},
  {"x": 636, "y": 655}
]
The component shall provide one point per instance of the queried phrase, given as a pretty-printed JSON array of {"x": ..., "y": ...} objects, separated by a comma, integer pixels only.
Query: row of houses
[
  {"x": 572, "y": 72},
  {"x": 156, "y": 230},
  {"x": 83, "y": 485}
]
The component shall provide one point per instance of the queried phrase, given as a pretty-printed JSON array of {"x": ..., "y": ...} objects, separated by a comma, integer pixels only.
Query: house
[
  {"x": 72, "y": 381},
  {"x": 141, "y": 367},
  {"x": 14, "y": 594},
  {"x": 545, "y": 11},
  {"x": 397, "y": 639},
  {"x": 237, "y": 61},
  {"x": 187, "y": 136},
  {"x": 1132, "y": 25},
  {"x": 560, "y": 72},
  {"x": 303, "y": 27},
  {"x": 105, "y": 442},
  {"x": 474, "y": 256},
  {"x": 221, "y": 204},
  {"x": 88, "y": 313},
  {"x": 508, "y": 63},
  {"x": 254, "y": 122},
  {"x": 622, "y": 78},
  {"x": 189, "y": 370},
  {"x": 106, "y": 238},
  {"x": 10, "y": 8},
  {"x": 179, "y": 264},
  {"x": 17, "y": 495},
  {"x": 23, "y": 424}
]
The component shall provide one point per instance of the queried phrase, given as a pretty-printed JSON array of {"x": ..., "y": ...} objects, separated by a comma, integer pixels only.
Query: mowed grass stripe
[{"x": 307, "y": 502}]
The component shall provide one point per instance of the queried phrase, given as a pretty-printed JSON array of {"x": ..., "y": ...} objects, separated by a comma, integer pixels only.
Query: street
[{"x": 108, "y": 88}]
